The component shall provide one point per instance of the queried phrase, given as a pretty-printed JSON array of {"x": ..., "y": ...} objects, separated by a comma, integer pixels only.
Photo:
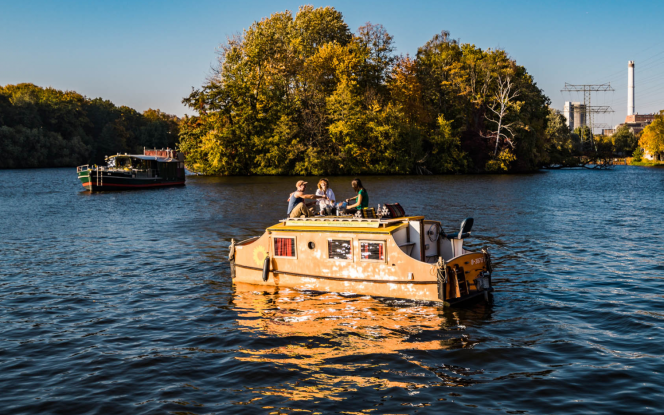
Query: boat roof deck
[
  {"x": 342, "y": 224},
  {"x": 144, "y": 157}
]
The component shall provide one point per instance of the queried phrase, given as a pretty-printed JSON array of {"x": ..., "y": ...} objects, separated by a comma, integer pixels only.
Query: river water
[{"x": 122, "y": 302}]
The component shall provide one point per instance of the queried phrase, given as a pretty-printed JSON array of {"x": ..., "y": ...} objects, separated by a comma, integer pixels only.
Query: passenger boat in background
[
  {"x": 153, "y": 168},
  {"x": 406, "y": 257}
]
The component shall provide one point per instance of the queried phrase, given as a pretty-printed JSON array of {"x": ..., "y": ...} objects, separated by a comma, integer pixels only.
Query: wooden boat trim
[{"x": 337, "y": 278}]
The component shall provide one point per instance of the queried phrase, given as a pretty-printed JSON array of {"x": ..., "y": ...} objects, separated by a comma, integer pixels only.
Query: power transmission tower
[
  {"x": 602, "y": 126},
  {"x": 589, "y": 110}
]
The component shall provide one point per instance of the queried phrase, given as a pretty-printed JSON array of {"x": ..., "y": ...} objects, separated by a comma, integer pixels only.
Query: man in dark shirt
[{"x": 297, "y": 207}]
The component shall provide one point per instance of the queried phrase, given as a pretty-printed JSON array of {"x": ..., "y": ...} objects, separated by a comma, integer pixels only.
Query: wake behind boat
[{"x": 153, "y": 168}]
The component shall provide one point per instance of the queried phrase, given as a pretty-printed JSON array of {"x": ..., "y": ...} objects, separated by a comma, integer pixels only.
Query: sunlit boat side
[
  {"x": 153, "y": 168},
  {"x": 407, "y": 257}
]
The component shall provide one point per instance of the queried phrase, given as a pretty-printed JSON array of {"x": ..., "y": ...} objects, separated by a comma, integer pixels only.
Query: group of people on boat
[{"x": 324, "y": 199}]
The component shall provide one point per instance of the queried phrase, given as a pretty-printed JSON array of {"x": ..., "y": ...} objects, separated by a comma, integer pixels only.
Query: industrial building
[
  {"x": 635, "y": 121},
  {"x": 575, "y": 114}
]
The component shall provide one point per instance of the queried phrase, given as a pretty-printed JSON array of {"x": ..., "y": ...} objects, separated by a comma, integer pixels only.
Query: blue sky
[{"x": 149, "y": 54}]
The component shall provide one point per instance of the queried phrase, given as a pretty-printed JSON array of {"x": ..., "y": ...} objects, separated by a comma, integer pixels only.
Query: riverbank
[{"x": 644, "y": 163}]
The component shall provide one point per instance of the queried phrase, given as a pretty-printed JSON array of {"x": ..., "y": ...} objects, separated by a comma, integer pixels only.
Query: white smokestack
[{"x": 630, "y": 88}]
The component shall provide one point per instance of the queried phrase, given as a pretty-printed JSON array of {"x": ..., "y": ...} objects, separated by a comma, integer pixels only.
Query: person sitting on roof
[
  {"x": 362, "y": 198},
  {"x": 326, "y": 206},
  {"x": 297, "y": 208}
]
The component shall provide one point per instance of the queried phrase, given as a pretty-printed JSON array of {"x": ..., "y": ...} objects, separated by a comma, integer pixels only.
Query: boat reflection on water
[{"x": 341, "y": 343}]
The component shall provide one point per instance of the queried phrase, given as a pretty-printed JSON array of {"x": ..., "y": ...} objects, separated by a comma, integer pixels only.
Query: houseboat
[
  {"x": 404, "y": 257},
  {"x": 153, "y": 168}
]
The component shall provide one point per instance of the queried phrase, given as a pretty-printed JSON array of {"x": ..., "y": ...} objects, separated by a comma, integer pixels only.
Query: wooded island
[{"x": 300, "y": 94}]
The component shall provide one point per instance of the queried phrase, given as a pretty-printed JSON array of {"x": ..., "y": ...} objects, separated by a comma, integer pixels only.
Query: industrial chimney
[{"x": 630, "y": 88}]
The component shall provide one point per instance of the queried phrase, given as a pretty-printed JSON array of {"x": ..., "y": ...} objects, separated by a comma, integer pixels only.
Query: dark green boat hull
[{"x": 94, "y": 180}]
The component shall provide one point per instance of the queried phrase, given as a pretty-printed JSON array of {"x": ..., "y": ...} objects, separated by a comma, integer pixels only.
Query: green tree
[
  {"x": 300, "y": 94},
  {"x": 559, "y": 145},
  {"x": 624, "y": 141},
  {"x": 45, "y": 127},
  {"x": 652, "y": 137}
]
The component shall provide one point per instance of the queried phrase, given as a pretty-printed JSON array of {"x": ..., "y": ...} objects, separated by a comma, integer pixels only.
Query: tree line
[
  {"x": 565, "y": 148},
  {"x": 45, "y": 127},
  {"x": 300, "y": 94}
]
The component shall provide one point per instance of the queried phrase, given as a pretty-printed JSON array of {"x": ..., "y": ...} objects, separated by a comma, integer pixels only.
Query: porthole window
[{"x": 311, "y": 245}]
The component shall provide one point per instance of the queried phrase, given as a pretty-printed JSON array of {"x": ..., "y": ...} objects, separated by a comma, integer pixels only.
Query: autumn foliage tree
[
  {"x": 652, "y": 137},
  {"x": 301, "y": 94}
]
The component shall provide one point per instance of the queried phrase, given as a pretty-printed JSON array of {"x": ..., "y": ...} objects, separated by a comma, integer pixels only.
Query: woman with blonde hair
[{"x": 326, "y": 205}]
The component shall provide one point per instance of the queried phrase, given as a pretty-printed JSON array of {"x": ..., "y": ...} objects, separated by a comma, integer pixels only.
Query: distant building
[
  {"x": 635, "y": 122},
  {"x": 575, "y": 114}
]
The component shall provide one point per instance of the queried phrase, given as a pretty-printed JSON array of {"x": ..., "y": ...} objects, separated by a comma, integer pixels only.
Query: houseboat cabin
[{"x": 407, "y": 257}]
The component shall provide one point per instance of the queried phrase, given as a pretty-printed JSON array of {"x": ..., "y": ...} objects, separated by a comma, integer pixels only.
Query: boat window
[
  {"x": 284, "y": 247},
  {"x": 372, "y": 251},
  {"x": 339, "y": 249},
  {"x": 123, "y": 163}
]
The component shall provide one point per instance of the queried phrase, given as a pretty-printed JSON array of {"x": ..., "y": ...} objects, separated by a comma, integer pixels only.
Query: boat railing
[
  {"x": 148, "y": 173},
  {"x": 344, "y": 221}
]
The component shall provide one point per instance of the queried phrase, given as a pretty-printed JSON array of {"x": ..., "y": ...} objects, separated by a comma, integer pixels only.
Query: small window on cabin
[
  {"x": 284, "y": 247},
  {"x": 339, "y": 249},
  {"x": 372, "y": 251}
]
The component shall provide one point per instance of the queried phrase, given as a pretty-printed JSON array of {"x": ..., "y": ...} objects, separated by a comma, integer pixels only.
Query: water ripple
[{"x": 122, "y": 302}]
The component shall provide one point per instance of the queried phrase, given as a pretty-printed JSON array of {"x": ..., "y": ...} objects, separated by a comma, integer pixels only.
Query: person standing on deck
[
  {"x": 297, "y": 208},
  {"x": 326, "y": 206},
  {"x": 361, "y": 200}
]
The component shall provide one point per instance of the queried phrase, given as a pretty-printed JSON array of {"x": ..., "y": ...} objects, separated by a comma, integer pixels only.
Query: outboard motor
[
  {"x": 464, "y": 232},
  {"x": 457, "y": 238}
]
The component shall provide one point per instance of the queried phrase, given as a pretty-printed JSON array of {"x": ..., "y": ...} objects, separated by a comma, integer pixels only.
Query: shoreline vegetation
[
  {"x": 300, "y": 94},
  {"x": 645, "y": 163},
  {"x": 45, "y": 127}
]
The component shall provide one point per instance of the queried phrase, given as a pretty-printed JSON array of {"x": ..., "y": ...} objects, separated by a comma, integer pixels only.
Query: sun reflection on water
[{"x": 340, "y": 343}]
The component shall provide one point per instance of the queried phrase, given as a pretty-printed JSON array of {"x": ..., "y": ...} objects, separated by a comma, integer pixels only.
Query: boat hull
[
  {"x": 399, "y": 276},
  {"x": 102, "y": 181}
]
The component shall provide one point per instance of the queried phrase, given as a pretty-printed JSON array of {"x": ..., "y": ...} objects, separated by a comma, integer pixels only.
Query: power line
[{"x": 588, "y": 109}]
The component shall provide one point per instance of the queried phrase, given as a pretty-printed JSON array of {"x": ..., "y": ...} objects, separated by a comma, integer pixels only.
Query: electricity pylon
[{"x": 587, "y": 90}]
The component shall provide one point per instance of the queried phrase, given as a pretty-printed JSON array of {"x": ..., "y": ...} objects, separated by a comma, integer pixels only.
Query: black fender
[{"x": 266, "y": 268}]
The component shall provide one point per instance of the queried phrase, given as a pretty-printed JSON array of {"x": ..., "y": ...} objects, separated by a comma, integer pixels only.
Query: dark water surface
[{"x": 122, "y": 302}]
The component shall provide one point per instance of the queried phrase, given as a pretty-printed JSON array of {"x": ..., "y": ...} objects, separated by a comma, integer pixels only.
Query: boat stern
[
  {"x": 84, "y": 175},
  {"x": 465, "y": 277}
]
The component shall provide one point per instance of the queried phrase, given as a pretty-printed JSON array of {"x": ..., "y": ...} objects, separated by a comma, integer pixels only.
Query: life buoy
[{"x": 266, "y": 268}]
